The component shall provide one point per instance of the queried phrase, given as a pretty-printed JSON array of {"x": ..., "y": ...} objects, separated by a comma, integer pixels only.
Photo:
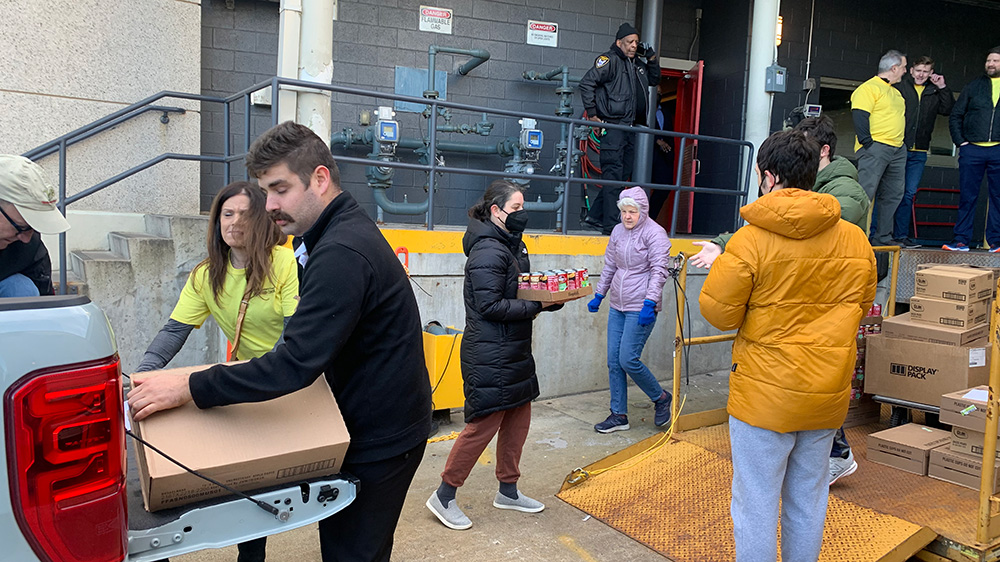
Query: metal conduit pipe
[
  {"x": 503, "y": 148},
  {"x": 392, "y": 207},
  {"x": 479, "y": 56}
]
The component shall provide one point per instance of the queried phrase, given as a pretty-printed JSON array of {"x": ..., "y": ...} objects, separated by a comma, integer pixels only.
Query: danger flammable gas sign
[
  {"x": 544, "y": 33},
  {"x": 436, "y": 20}
]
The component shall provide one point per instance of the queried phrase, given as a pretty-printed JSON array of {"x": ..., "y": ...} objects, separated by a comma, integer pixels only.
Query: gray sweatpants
[
  {"x": 768, "y": 465},
  {"x": 882, "y": 174}
]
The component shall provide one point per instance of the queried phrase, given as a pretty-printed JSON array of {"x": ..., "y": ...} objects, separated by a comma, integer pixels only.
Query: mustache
[{"x": 279, "y": 216}]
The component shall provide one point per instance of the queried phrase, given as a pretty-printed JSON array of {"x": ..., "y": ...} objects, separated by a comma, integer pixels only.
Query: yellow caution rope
[{"x": 579, "y": 475}]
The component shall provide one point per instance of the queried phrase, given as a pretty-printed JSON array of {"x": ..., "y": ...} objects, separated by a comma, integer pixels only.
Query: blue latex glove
[
  {"x": 595, "y": 303},
  {"x": 648, "y": 313}
]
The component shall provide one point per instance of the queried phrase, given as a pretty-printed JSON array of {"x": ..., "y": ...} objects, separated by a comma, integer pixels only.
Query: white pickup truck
[{"x": 72, "y": 493}]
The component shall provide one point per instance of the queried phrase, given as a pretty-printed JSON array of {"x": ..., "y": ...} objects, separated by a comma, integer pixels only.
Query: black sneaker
[
  {"x": 661, "y": 409},
  {"x": 590, "y": 224},
  {"x": 615, "y": 422},
  {"x": 905, "y": 243}
]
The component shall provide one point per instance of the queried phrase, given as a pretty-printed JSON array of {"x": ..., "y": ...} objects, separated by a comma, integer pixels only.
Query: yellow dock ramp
[{"x": 676, "y": 501}]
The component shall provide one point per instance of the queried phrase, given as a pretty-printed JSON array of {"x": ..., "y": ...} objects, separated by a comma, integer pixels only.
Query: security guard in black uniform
[{"x": 614, "y": 90}]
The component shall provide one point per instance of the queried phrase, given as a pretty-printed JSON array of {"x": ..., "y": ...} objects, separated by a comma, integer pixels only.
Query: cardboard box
[
  {"x": 949, "y": 313},
  {"x": 969, "y": 442},
  {"x": 245, "y": 446},
  {"x": 958, "y": 468},
  {"x": 862, "y": 411},
  {"x": 906, "y": 447},
  {"x": 921, "y": 371},
  {"x": 903, "y": 327},
  {"x": 554, "y": 296},
  {"x": 994, "y": 270},
  {"x": 966, "y": 408},
  {"x": 951, "y": 283}
]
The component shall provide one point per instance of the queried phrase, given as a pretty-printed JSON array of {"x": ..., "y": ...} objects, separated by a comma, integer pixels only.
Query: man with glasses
[{"x": 27, "y": 203}]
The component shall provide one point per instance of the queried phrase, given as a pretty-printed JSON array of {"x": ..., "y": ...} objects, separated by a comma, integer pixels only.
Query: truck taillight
[{"x": 66, "y": 461}]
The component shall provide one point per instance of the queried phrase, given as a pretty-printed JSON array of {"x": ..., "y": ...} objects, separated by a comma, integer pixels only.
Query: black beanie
[{"x": 624, "y": 30}]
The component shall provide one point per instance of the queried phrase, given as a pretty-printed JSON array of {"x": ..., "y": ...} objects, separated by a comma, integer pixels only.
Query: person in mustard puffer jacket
[{"x": 795, "y": 282}]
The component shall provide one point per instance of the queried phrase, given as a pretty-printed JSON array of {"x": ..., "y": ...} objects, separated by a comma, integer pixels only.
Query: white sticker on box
[
  {"x": 977, "y": 394},
  {"x": 128, "y": 417},
  {"x": 977, "y": 357}
]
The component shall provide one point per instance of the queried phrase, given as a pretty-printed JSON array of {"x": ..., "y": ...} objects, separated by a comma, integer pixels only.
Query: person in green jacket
[{"x": 838, "y": 177}]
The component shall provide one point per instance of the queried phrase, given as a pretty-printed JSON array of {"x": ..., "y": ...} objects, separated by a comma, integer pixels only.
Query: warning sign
[
  {"x": 543, "y": 33},
  {"x": 436, "y": 20}
]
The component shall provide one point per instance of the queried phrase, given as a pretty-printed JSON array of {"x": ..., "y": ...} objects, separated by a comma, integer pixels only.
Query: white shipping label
[
  {"x": 436, "y": 20},
  {"x": 977, "y": 357}
]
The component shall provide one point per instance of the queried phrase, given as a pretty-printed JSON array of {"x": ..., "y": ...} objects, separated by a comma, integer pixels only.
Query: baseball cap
[{"x": 23, "y": 184}]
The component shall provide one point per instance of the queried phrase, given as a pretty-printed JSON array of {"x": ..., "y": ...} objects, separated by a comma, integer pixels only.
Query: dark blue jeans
[
  {"x": 840, "y": 447},
  {"x": 973, "y": 162}
]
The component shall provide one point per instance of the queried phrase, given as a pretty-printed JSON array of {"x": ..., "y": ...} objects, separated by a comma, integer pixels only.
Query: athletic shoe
[
  {"x": 590, "y": 224},
  {"x": 956, "y": 247},
  {"x": 905, "y": 243},
  {"x": 451, "y": 516},
  {"x": 615, "y": 422},
  {"x": 523, "y": 503},
  {"x": 995, "y": 248},
  {"x": 840, "y": 468},
  {"x": 661, "y": 408}
]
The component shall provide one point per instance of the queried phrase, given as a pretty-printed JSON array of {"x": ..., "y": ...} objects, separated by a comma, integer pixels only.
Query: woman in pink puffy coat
[{"x": 635, "y": 270}]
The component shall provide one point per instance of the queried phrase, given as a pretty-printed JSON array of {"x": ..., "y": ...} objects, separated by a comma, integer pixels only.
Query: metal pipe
[
  {"x": 652, "y": 16},
  {"x": 289, "y": 37},
  {"x": 226, "y": 148},
  {"x": 316, "y": 65},
  {"x": 677, "y": 195},
  {"x": 135, "y": 170},
  {"x": 246, "y": 130},
  {"x": 702, "y": 340},
  {"x": 758, "y": 115},
  {"x": 63, "y": 279},
  {"x": 392, "y": 207},
  {"x": 479, "y": 56},
  {"x": 432, "y": 144},
  {"x": 550, "y": 75}
]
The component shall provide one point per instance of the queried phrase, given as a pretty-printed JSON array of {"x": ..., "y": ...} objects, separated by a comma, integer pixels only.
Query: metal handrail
[
  {"x": 277, "y": 82},
  {"x": 85, "y": 133}
]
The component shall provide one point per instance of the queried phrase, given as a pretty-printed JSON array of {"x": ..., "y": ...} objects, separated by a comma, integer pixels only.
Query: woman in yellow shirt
[{"x": 243, "y": 260}]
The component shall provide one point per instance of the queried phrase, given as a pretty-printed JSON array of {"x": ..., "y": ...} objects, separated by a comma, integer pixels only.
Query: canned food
[
  {"x": 571, "y": 282},
  {"x": 583, "y": 277},
  {"x": 536, "y": 277},
  {"x": 552, "y": 284},
  {"x": 562, "y": 279},
  {"x": 524, "y": 281}
]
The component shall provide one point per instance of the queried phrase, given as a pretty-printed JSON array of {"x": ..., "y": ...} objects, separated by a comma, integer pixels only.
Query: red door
[{"x": 686, "y": 119}]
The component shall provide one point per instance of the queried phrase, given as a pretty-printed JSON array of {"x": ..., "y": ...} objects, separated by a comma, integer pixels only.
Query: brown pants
[{"x": 512, "y": 426}]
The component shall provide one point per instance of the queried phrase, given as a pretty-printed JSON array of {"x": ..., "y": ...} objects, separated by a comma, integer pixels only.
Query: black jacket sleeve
[
  {"x": 168, "y": 341},
  {"x": 594, "y": 78},
  {"x": 862, "y": 126},
  {"x": 946, "y": 101},
  {"x": 653, "y": 71},
  {"x": 487, "y": 271},
  {"x": 329, "y": 309},
  {"x": 957, "y": 118}
]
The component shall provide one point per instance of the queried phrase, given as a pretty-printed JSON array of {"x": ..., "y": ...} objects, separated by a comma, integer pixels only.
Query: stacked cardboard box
[
  {"x": 962, "y": 461},
  {"x": 906, "y": 447},
  {"x": 941, "y": 345}
]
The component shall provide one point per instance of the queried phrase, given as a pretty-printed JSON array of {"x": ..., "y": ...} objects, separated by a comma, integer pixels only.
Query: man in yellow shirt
[
  {"x": 975, "y": 128},
  {"x": 878, "y": 111}
]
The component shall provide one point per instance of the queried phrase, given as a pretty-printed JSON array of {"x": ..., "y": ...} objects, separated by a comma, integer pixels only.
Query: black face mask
[{"x": 516, "y": 221}]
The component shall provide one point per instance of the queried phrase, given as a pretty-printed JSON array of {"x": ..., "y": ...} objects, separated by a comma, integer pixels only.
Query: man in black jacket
[
  {"x": 975, "y": 128},
  {"x": 614, "y": 90},
  {"x": 357, "y": 322},
  {"x": 926, "y": 96},
  {"x": 27, "y": 203}
]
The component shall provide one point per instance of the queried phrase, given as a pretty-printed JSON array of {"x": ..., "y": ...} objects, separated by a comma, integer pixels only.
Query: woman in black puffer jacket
[{"x": 497, "y": 366}]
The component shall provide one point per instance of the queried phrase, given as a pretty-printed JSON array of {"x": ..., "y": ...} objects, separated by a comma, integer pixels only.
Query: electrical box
[
  {"x": 774, "y": 81},
  {"x": 387, "y": 128},
  {"x": 531, "y": 138},
  {"x": 812, "y": 110}
]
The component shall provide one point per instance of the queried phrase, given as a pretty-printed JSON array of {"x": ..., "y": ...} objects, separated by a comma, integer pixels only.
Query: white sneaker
[{"x": 840, "y": 468}]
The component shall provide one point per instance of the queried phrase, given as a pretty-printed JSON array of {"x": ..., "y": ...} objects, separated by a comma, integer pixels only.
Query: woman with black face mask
[{"x": 497, "y": 366}]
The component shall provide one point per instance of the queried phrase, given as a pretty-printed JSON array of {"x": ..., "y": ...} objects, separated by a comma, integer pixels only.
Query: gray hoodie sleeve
[{"x": 165, "y": 345}]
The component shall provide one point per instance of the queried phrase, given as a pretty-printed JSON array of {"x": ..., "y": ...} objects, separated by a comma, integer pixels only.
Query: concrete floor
[{"x": 561, "y": 438}]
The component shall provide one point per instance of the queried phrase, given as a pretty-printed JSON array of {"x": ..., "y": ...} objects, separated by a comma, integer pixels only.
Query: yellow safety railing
[
  {"x": 988, "y": 527},
  {"x": 680, "y": 342}
]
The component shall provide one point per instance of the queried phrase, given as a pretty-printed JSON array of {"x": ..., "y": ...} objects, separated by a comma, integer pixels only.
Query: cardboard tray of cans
[{"x": 554, "y": 286}]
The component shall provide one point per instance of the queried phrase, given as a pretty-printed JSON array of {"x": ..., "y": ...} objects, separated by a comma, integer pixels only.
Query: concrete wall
[
  {"x": 372, "y": 38},
  {"x": 570, "y": 345},
  {"x": 66, "y": 63}
]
